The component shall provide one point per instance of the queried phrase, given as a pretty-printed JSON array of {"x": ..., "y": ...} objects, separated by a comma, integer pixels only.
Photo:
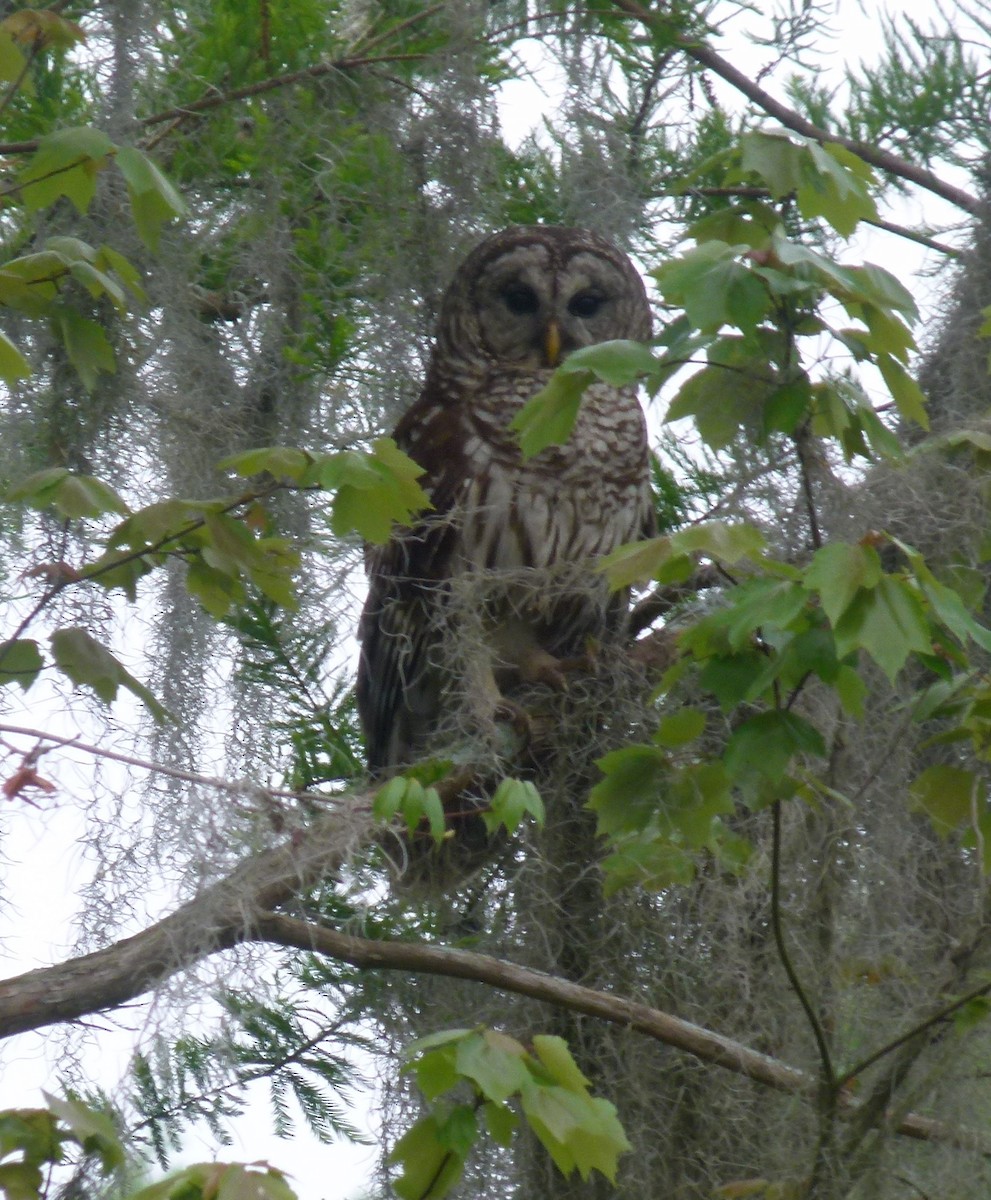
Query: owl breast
[{"x": 571, "y": 502}]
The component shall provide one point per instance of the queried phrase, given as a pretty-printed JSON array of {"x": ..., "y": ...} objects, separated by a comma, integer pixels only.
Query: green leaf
[
  {"x": 513, "y": 800},
  {"x": 837, "y": 573},
  {"x": 973, "y": 1013},
  {"x": 373, "y": 491},
  {"x": 459, "y": 1130},
  {"x": 835, "y": 187},
  {"x": 619, "y": 362},
  {"x": 494, "y": 1063},
  {"x": 501, "y": 1122},
  {"x": 648, "y": 862},
  {"x": 435, "y": 1071},
  {"x": 444, "y": 1037},
  {"x": 680, "y": 727},
  {"x": 282, "y": 462},
  {"x": 43, "y": 29},
  {"x": 430, "y": 1169},
  {"x": 715, "y": 288},
  {"x": 86, "y": 662},
  {"x": 98, "y": 284},
  {"x": 72, "y": 496},
  {"x": 721, "y": 541},
  {"x": 217, "y": 590},
  {"x": 699, "y": 795},
  {"x": 774, "y": 158},
  {"x": 30, "y": 283},
  {"x": 31, "y": 1132},
  {"x": 12, "y": 64},
  {"x": 728, "y": 395},
  {"x": 93, "y": 1130},
  {"x": 888, "y": 622},
  {"x": 21, "y": 1181},
  {"x": 556, "y": 1059},
  {"x": 947, "y": 604},
  {"x": 432, "y": 809},
  {"x": 852, "y": 691},
  {"x": 86, "y": 344},
  {"x": 549, "y": 416},
  {"x": 630, "y": 792},
  {"x": 762, "y": 603},
  {"x": 638, "y": 562},
  {"x": 733, "y": 678},
  {"x": 950, "y": 796},
  {"x": 38, "y": 488},
  {"x": 153, "y": 199},
  {"x": 20, "y": 662},
  {"x": 906, "y": 393},
  {"x": 112, "y": 260},
  {"x": 578, "y": 1131},
  {"x": 763, "y": 746},
  {"x": 13, "y": 364},
  {"x": 66, "y": 163},
  {"x": 220, "y": 1181},
  {"x": 386, "y": 802}
]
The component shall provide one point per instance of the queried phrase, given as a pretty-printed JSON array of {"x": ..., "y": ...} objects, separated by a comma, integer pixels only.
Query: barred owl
[{"x": 522, "y": 300}]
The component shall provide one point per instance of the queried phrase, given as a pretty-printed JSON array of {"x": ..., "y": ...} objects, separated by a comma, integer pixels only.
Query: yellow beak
[{"x": 552, "y": 343}]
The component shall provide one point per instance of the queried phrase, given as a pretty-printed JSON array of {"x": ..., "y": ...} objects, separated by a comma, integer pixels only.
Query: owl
[{"x": 520, "y": 302}]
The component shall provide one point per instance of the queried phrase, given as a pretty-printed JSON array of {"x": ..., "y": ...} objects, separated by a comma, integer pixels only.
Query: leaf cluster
[
  {"x": 776, "y": 629},
  {"x": 578, "y": 1130},
  {"x": 225, "y": 545}
]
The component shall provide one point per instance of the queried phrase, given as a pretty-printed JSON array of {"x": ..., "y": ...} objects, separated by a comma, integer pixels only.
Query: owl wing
[{"x": 399, "y": 681}]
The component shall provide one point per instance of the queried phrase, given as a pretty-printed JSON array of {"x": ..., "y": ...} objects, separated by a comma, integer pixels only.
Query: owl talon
[
  {"x": 544, "y": 668},
  {"x": 508, "y": 712},
  {"x": 541, "y": 667}
]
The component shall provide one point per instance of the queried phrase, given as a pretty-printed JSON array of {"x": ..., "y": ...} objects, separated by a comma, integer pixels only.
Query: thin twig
[
  {"x": 762, "y": 193},
  {"x": 936, "y": 1018},
  {"x": 217, "y": 99},
  {"x": 232, "y": 786},
  {"x": 883, "y": 159},
  {"x": 777, "y": 927}
]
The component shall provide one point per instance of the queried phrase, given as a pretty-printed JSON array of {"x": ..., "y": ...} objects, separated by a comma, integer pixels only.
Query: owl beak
[{"x": 552, "y": 343}]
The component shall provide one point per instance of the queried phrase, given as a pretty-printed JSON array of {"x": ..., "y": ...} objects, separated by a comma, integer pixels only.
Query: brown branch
[
  {"x": 506, "y": 976},
  {"x": 705, "y": 56},
  {"x": 667, "y": 596},
  {"x": 236, "y": 787},
  {"x": 762, "y": 193},
  {"x": 221, "y": 916},
  {"x": 217, "y": 99},
  {"x": 239, "y": 909},
  {"x": 701, "y": 1043}
]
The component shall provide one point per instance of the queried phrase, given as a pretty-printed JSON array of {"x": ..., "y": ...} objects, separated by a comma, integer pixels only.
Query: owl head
[{"x": 529, "y": 295}]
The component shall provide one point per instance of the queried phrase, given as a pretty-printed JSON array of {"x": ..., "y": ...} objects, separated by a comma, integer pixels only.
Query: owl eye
[
  {"x": 585, "y": 304},
  {"x": 520, "y": 299}
]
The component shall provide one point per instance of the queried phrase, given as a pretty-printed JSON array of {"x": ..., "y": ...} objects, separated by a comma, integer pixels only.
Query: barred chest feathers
[{"x": 579, "y": 500}]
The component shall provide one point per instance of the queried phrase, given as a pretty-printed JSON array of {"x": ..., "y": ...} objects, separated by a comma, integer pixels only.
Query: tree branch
[
  {"x": 883, "y": 159},
  {"x": 236, "y": 787},
  {"x": 762, "y": 193},
  {"x": 222, "y": 915},
  {"x": 217, "y": 98},
  {"x": 702, "y": 1043},
  {"x": 239, "y": 909}
]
